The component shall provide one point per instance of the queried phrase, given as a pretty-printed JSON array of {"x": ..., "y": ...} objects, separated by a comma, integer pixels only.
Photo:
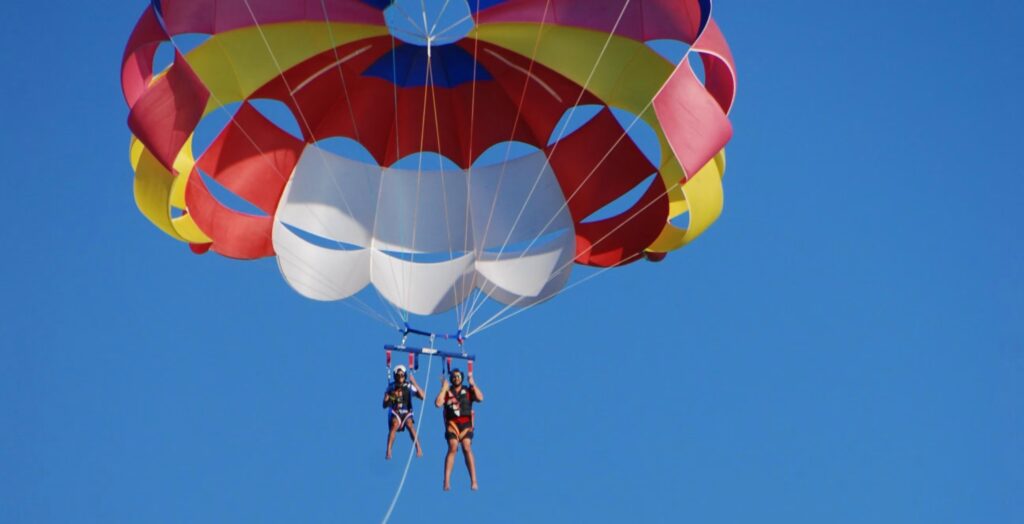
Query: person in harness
[
  {"x": 457, "y": 401},
  {"x": 398, "y": 400}
]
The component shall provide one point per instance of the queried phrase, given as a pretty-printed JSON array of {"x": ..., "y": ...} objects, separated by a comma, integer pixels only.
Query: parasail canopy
[{"x": 496, "y": 136}]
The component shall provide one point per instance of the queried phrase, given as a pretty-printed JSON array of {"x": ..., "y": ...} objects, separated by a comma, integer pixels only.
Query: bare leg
[
  {"x": 411, "y": 428},
  {"x": 391, "y": 437},
  {"x": 467, "y": 453},
  {"x": 449, "y": 461}
]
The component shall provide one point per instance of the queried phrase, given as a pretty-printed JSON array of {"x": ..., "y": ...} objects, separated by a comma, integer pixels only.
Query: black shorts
[{"x": 462, "y": 428}]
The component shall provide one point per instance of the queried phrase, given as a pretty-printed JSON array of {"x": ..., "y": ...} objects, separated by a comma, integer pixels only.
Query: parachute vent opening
[
  {"x": 574, "y": 118},
  {"x": 427, "y": 161},
  {"x": 184, "y": 43},
  {"x": 278, "y": 113},
  {"x": 229, "y": 198},
  {"x": 347, "y": 148},
  {"x": 697, "y": 65},
  {"x": 641, "y": 133},
  {"x": 682, "y": 221},
  {"x": 211, "y": 126},
  {"x": 425, "y": 258},
  {"x": 672, "y": 50},
  {"x": 503, "y": 152},
  {"x": 320, "y": 241},
  {"x": 620, "y": 205},
  {"x": 429, "y": 22}
]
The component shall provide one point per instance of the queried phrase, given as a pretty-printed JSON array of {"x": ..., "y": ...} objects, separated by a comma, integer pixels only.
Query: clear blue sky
[{"x": 844, "y": 346}]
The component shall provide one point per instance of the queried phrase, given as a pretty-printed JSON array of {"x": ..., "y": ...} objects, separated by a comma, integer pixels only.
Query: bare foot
[
  {"x": 447, "y": 486},
  {"x": 474, "y": 487},
  {"x": 387, "y": 456},
  {"x": 419, "y": 452}
]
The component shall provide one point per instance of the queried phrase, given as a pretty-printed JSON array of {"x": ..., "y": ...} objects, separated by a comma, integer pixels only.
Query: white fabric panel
[
  {"x": 412, "y": 207},
  {"x": 320, "y": 273},
  {"x": 337, "y": 199},
  {"x": 423, "y": 288},
  {"x": 331, "y": 197},
  {"x": 512, "y": 188},
  {"x": 526, "y": 273},
  {"x": 551, "y": 289}
]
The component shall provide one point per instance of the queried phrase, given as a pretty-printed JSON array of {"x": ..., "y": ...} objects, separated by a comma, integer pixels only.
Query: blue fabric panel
[
  {"x": 453, "y": 66},
  {"x": 379, "y": 4},
  {"x": 483, "y": 4},
  {"x": 705, "y": 13}
]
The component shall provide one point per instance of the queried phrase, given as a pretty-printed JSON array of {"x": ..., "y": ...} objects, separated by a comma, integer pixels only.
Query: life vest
[
  {"x": 401, "y": 396},
  {"x": 458, "y": 406}
]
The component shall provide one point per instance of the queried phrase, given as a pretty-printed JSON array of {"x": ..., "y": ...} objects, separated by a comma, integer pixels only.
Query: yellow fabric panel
[
  {"x": 704, "y": 193},
  {"x": 189, "y": 231},
  {"x": 628, "y": 75},
  {"x": 183, "y": 165},
  {"x": 671, "y": 175},
  {"x": 184, "y": 225},
  {"x": 158, "y": 191},
  {"x": 704, "y": 197},
  {"x": 232, "y": 65},
  {"x": 152, "y": 188},
  {"x": 236, "y": 63}
]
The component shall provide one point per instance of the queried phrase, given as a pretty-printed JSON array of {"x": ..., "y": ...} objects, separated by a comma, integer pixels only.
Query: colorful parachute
[{"x": 392, "y": 77}]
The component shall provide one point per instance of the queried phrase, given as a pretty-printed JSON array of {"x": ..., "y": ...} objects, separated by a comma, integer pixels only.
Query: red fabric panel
[
  {"x": 643, "y": 20},
  {"x": 719, "y": 67},
  {"x": 589, "y": 179},
  {"x": 421, "y": 128},
  {"x": 167, "y": 113},
  {"x": 621, "y": 239},
  {"x": 694, "y": 123},
  {"x": 672, "y": 19},
  {"x": 319, "y": 96},
  {"x": 234, "y": 234},
  {"x": 137, "y": 63},
  {"x": 253, "y": 158},
  {"x": 547, "y": 96}
]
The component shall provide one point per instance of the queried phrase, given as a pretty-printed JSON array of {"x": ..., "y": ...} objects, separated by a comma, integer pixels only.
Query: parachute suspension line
[
  {"x": 402, "y": 314},
  {"x": 305, "y": 122},
  {"x": 494, "y": 320},
  {"x": 508, "y": 147},
  {"x": 472, "y": 291},
  {"x": 412, "y": 449},
  {"x": 395, "y": 4},
  {"x": 307, "y": 269},
  {"x": 453, "y": 25},
  {"x": 444, "y": 192},
  {"x": 439, "y": 17},
  {"x": 489, "y": 323},
  {"x": 390, "y": 308},
  {"x": 419, "y": 175},
  {"x": 554, "y": 147}
]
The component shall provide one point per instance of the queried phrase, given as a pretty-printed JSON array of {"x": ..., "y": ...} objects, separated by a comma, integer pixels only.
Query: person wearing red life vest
[{"x": 457, "y": 401}]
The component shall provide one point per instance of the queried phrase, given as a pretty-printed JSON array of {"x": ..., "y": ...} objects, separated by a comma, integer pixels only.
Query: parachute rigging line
[
  {"x": 487, "y": 323},
  {"x": 307, "y": 268},
  {"x": 508, "y": 147},
  {"x": 302, "y": 116},
  {"x": 412, "y": 449},
  {"x": 554, "y": 147},
  {"x": 389, "y": 307}
]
